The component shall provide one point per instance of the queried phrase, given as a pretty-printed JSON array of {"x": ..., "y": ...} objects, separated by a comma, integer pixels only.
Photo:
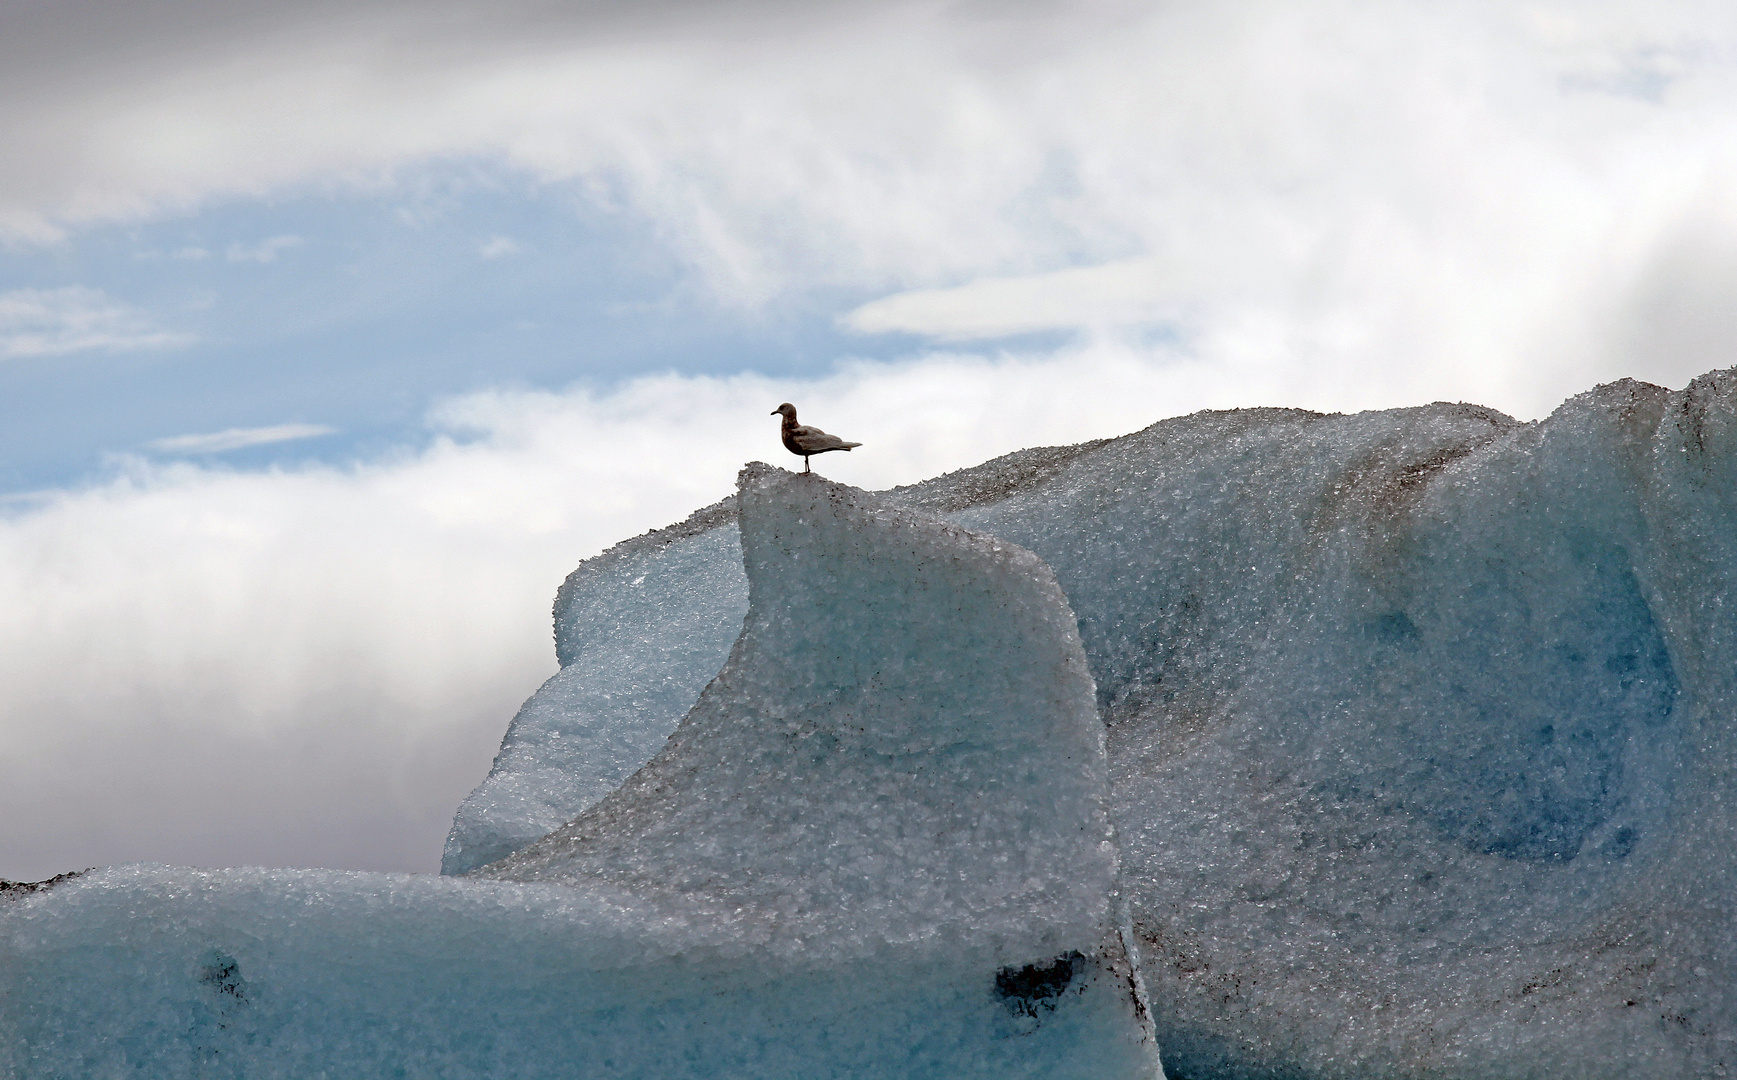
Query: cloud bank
[{"x": 1516, "y": 192}]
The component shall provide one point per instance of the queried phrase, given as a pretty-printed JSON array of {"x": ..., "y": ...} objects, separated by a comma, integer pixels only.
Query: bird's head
[{"x": 786, "y": 410}]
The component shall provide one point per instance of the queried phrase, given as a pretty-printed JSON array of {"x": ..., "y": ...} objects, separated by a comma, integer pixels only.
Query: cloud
[
  {"x": 496, "y": 246},
  {"x": 266, "y": 251},
  {"x": 1481, "y": 186},
  {"x": 1122, "y": 293},
  {"x": 237, "y": 438},
  {"x": 52, "y": 322}
]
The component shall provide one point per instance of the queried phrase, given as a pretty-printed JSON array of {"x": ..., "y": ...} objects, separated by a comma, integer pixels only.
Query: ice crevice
[{"x": 878, "y": 845}]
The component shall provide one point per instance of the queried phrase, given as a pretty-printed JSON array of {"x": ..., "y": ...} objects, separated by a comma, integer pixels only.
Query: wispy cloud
[
  {"x": 1117, "y": 293},
  {"x": 497, "y": 246},
  {"x": 266, "y": 251},
  {"x": 51, "y": 322},
  {"x": 218, "y": 442}
]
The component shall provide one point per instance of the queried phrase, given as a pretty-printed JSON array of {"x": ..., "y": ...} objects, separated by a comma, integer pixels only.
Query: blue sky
[
  {"x": 329, "y": 321},
  {"x": 333, "y": 335}
]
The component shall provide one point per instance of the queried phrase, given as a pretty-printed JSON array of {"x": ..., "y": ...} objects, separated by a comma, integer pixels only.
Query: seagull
[{"x": 805, "y": 440}]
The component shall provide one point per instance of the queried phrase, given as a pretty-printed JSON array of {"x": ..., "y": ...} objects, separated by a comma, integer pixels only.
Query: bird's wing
[{"x": 812, "y": 439}]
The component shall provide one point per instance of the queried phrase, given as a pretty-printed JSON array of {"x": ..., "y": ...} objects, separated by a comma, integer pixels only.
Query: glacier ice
[
  {"x": 639, "y": 632},
  {"x": 643, "y": 628},
  {"x": 937, "y": 675},
  {"x": 1402, "y": 735},
  {"x": 1420, "y": 722},
  {"x": 878, "y": 845}
]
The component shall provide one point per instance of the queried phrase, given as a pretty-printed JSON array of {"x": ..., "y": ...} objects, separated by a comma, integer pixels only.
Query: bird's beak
[{"x": 774, "y": 412}]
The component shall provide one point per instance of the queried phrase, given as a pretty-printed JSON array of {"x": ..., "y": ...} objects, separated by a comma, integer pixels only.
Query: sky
[{"x": 333, "y": 335}]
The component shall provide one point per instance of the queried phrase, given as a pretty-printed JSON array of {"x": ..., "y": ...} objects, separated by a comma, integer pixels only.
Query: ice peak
[{"x": 905, "y": 736}]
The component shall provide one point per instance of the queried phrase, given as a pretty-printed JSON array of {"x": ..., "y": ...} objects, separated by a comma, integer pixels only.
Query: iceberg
[
  {"x": 1396, "y": 744},
  {"x": 1420, "y": 723},
  {"x": 878, "y": 844}
]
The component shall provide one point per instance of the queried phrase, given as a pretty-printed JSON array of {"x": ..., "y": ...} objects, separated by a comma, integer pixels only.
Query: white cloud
[
  {"x": 1479, "y": 186},
  {"x": 266, "y": 251},
  {"x": 52, "y": 322},
  {"x": 497, "y": 246},
  {"x": 1121, "y": 293},
  {"x": 218, "y": 442}
]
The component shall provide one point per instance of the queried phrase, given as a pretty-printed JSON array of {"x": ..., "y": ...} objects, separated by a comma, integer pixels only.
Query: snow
[
  {"x": 852, "y": 859},
  {"x": 1420, "y": 724}
]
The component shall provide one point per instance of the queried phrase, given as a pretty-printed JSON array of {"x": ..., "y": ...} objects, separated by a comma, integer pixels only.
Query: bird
[{"x": 805, "y": 440}]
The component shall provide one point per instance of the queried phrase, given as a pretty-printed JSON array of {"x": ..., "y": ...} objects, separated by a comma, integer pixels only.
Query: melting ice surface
[
  {"x": 878, "y": 845},
  {"x": 1420, "y": 723},
  {"x": 1399, "y": 744}
]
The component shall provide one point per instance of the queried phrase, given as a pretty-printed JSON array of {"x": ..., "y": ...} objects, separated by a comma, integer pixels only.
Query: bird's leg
[{"x": 805, "y": 463}]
